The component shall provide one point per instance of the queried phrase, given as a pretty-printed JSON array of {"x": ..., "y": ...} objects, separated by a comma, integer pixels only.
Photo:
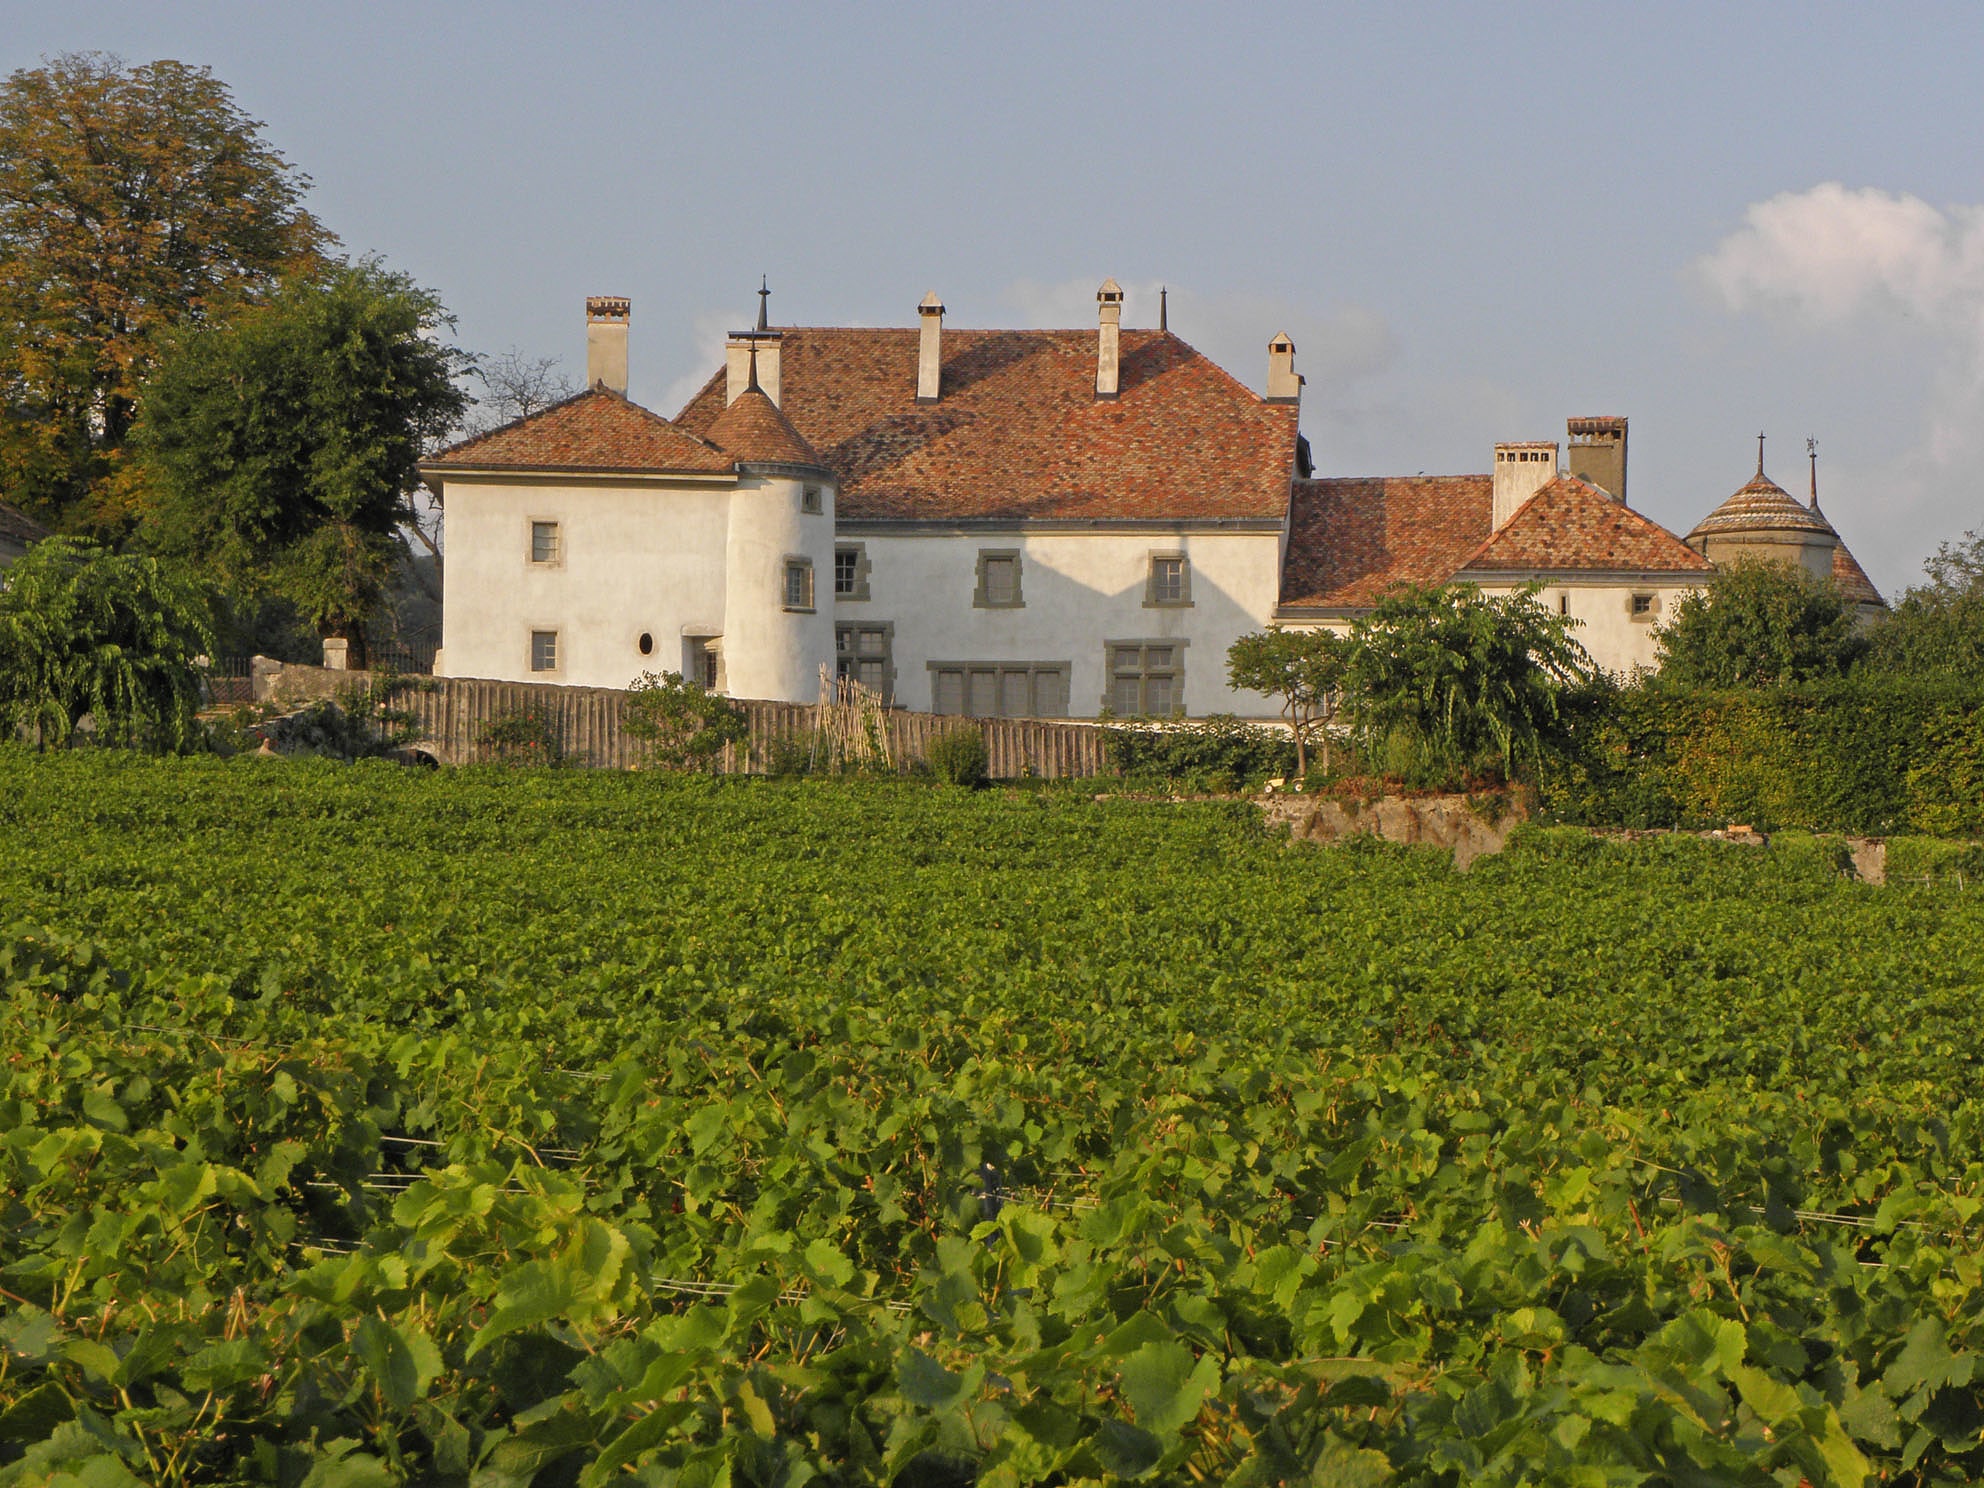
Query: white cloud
[
  {"x": 712, "y": 332},
  {"x": 1853, "y": 265}
]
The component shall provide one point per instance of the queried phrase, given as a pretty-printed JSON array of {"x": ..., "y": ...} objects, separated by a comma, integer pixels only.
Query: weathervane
[{"x": 1812, "y": 453}]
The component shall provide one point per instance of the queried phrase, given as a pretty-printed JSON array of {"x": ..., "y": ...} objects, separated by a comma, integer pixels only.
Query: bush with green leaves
[
  {"x": 523, "y": 736},
  {"x": 1305, "y": 672},
  {"x": 117, "y": 638},
  {"x": 684, "y": 724},
  {"x": 1447, "y": 685},
  {"x": 1216, "y": 753},
  {"x": 1758, "y": 623},
  {"x": 958, "y": 756},
  {"x": 1936, "y": 628}
]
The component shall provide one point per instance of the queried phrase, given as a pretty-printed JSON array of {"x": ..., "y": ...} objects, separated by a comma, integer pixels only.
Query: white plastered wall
[
  {"x": 1079, "y": 591},
  {"x": 771, "y": 650},
  {"x": 634, "y": 558}
]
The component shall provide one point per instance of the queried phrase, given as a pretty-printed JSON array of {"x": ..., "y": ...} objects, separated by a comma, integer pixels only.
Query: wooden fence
[{"x": 454, "y": 713}]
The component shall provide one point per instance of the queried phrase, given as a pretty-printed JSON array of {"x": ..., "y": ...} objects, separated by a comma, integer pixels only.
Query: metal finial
[
  {"x": 1812, "y": 453},
  {"x": 1760, "y": 454},
  {"x": 1163, "y": 309},
  {"x": 751, "y": 386},
  {"x": 764, "y": 297}
]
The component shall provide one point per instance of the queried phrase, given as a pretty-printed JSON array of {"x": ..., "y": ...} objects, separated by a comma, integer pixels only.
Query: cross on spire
[
  {"x": 1812, "y": 453},
  {"x": 1760, "y": 453},
  {"x": 752, "y": 385},
  {"x": 764, "y": 297}
]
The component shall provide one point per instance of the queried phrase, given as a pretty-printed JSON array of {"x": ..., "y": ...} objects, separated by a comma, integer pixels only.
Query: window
[
  {"x": 1000, "y": 689},
  {"x": 703, "y": 658},
  {"x": 544, "y": 650},
  {"x": 1145, "y": 678},
  {"x": 1563, "y": 604},
  {"x": 798, "y": 590},
  {"x": 851, "y": 572},
  {"x": 866, "y": 653},
  {"x": 646, "y": 643},
  {"x": 1170, "y": 582},
  {"x": 998, "y": 580},
  {"x": 545, "y": 544},
  {"x": 809, "y": 501},
  {"x": 1644, "y": 607}
]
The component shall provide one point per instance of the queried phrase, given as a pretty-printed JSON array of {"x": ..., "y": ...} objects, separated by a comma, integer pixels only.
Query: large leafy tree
[
  {"x": 131, "y": 200},
  {"x": 1758, "y": 624},
  {"x": 1937, "y": 628},
  {"x": 1303, "y": 670},
  {"x": 1448, "y": 681},
  {"x": 279, "y": 447},
  {"x": 114, "y": 637}
]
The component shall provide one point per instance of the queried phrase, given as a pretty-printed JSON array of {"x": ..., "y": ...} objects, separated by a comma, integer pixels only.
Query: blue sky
[{"x": 1475, "y": 220}]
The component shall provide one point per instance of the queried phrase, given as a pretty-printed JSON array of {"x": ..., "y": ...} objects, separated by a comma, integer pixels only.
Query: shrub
[
  {"x": 1759, "y": 623},
  {"x": 1213, "y": 753},
  {"x": 958, "y": 756},
  {"x": 685, "y": 725},
  {"x": 526, "y": 736}
]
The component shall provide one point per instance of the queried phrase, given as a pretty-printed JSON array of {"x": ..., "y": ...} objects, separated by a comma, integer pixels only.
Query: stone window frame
[
  {"x": 1645, "y": 616},
  {"x": 1033, "y": 670},
  {"x": 862, "y": 568},
  {"x": 557, "y": 526},
  {"x": 700, "y": 644},
  {"x": 981, "y": 600},
  {"x": 787, "y": 566},
  {"x": 841, "y": 653},
  {"x": 1143, "y": 645},
  {"x": 812, "y": 501},
  {"x": 532, "y": 634},
  {"x": 1152, "y": 600}
]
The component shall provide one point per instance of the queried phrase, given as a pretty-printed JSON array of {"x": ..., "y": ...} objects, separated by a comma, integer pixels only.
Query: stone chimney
[
  {"x": 1284, "y": 382},
  {"x": 737, "y": 356},
  {"x": 1522, "y": 469},
  {"x": 929, "y": 348},
  {"x": 1109, "y": 339},
  {"x": 1598, "y": 454},
  {"x": 606, "y": 342}
]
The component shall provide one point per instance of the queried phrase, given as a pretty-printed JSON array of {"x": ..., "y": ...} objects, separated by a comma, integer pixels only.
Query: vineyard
[{"x": 362, "y": 1125}]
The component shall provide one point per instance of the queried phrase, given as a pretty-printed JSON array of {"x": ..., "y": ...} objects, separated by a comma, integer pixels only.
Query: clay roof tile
[
  {"x": 753, "y": 429},
  {"x": 1571, "y": 526},
  {"x": 597, "y": 429}
]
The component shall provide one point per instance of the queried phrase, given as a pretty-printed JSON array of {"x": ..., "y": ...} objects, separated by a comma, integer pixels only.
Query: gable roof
[
  {"x": 1351, "y": 539},
  {"x": 597, "y": 429},
  {"x": 1018, "y": 431},
  {"x": 16, "y": 526},
  {"x": 753, "y": 429},
  {"x": 1571, "y": 526}
]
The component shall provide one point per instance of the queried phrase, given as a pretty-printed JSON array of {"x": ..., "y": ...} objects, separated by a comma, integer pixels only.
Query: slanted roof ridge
[{"x": 1678, "y": 556}]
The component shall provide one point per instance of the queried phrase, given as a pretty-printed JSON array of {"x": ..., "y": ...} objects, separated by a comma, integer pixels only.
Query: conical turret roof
[
  {"x": 754, "y": 430},
  {"x": 1761, "y": 506}
]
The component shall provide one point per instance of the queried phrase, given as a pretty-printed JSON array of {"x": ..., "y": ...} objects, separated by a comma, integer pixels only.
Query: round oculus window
[{"x": 647, "y": 644}]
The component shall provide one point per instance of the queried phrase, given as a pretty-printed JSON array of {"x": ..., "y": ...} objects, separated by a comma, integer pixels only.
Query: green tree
[
  {"x": 1446, "y": 682},
  {"x": 1757, "y": 624},
  {"x": 1937, "y": 628},
  {"x": 686, "y": 726},
  {"x": 1302, "y": 669},
  {"x": 116, "y": 637},
  {"x": 280, "y": 446},
  {"x": 131, "y": 200}
]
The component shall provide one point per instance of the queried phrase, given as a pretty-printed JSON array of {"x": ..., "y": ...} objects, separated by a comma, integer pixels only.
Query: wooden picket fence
[{"x": 455, "y": 713}]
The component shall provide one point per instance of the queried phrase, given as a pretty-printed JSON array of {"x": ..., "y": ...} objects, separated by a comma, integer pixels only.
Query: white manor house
[{"x": 1012, "y": 523}]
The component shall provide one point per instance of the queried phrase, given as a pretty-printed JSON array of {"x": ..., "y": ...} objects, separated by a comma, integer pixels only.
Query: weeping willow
[{"x": 116, "y": 639}]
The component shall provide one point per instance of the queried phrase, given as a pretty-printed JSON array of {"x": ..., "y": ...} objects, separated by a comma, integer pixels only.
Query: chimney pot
[
  {"x": 1284, "y": 382},
  {"x": 606, "y": 342},
  {"x": 929, "y": 349},
  {"x": 1109, "y": 338}
]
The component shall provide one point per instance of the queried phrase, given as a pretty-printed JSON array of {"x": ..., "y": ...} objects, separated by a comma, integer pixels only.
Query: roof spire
[
  {"x": 1760, "y": 453},
  {"x": 764, "y": 295},
  {"x": 1163, "y": 308},
  {"x": 752, "y": 385},
  {"x": 1812, "y": 453}
]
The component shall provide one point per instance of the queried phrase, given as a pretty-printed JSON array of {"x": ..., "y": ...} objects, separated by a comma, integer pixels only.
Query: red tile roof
[
  {"x": 17, "y": 526},
  {"x": 1351, "y": 539},
  {"x": 1018, "y": 431},
  {"x": 753, "y": 429},
  {"x": 595, "y": 430},
  {"x": 1852, "y": 579},
  {"x": 1571, "y": 526}
]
